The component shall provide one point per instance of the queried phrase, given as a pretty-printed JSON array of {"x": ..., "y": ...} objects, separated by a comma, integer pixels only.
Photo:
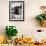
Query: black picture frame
[{"x": 20, "y": 13}]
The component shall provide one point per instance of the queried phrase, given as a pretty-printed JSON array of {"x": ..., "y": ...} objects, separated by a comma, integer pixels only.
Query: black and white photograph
[{"x": 16, "y": 10}]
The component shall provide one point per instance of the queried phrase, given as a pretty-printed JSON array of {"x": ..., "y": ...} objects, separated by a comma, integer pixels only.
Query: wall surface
[{"x": 29, "y": 25}]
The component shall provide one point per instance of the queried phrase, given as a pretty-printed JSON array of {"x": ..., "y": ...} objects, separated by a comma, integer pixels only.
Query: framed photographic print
[{"x": 16, "y": 11}]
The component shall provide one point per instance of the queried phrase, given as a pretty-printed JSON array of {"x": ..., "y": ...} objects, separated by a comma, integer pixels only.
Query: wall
[{"x": 26, "y": 27}]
